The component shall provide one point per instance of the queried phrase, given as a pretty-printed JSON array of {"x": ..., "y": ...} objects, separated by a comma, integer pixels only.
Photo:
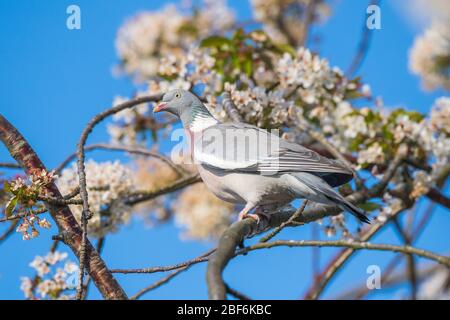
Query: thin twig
[
  {"x": 237, "y": 294},
  {"x": 363, "y": 46},
  {"x": 355, "y": 245},
  {"x": 86, "y": 214},
  {"x": 201, "y": 258},
  {"x": 10, "y": 165},
  {"x": 59, "y": 201},
  {"x": 166, "y": 278},
  {"x": 310, "y": 12},
  {"x": 99, "y": 247},
  {"x": 158, "y": 283},
  {"x": 230, "y": 107},
  {"x": 133, "y": 150},
  {"x": 389, "y": 280},
  {"x": 437, "y": 196},
  {"x": 23, "y": 215},
  {"x": 140, "y": 196},
  {"x": 276, "y": 230},
  {"x": 9, "y": 231},
  {"x": 410, "y": 262}
]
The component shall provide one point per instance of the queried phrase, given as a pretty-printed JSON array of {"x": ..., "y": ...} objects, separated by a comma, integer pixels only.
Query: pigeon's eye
[{"x": 177, "y": 95}]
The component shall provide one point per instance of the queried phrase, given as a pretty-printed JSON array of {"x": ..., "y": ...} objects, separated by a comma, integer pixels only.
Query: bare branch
[
  {"x": 166, "y": 278},
  {"x": 22, "y": 215},
  {"x": 438, "y": 197},
  {"x": 123, "y": 148},
  {"x": 355, "y": 245},
  {"x": 363, "y": 46},
  {"x": 389, "y": 281},
  {"x": 86, "y": 214},
  {"x": 99, "y": 247},
  {"x": 142, "y": 196},
  {"x": 201, "y": 258},
  {"x": 411, "y": 263},
  {"x": 158, "y": 283},
  {"x": 236, "y": 294},
  {"x": 230, "y": 107},
  {"x": 9, "y": 165},
  {"x": 285, "y": 223},
  {"x": 10, "y": 230}
]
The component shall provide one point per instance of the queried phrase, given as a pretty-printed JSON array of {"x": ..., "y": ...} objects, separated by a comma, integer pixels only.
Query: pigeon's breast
[{"x": 242, "y": 188}]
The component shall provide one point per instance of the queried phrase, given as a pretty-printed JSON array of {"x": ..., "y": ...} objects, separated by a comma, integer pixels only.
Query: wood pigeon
[{"x": 244, "y": 164}]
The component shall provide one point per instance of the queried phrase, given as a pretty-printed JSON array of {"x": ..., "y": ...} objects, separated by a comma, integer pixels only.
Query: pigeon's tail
[
  {"x": 323, "y": 192},
  {"x": 350, "y": 207}
]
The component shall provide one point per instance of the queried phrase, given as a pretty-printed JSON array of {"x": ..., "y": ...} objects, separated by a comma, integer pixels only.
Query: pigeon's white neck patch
[{"x": 201, "y": 122}]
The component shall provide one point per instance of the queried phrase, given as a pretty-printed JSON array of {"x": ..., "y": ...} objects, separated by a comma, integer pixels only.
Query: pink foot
[{"x": 250, "y": 215}]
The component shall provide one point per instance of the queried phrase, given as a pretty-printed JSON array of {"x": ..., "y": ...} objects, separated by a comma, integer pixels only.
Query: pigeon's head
[{"x": 177, "y": 102}]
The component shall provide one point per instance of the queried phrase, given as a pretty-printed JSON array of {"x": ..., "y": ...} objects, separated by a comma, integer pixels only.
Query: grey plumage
[{"x": 273, "y": 176}]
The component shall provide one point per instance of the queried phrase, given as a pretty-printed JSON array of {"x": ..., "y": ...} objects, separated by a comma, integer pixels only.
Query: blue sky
[{"x": 53, "y": 80}]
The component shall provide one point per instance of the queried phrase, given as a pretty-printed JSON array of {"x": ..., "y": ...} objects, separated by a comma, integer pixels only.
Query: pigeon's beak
[{"x": 160, "y": 107}]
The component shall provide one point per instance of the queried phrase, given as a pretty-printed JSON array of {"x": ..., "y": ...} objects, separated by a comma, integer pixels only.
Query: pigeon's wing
[{"x": 241, "y": 147}]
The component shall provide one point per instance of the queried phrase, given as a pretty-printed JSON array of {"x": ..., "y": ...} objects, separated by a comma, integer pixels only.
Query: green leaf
[
  {"x": 216, "y": 42},
  {"x": 10, "y": 206},
  {"x": 413, "y": 115},
  {"x": 248, "y": 67},
  {"x": 369, "y": 206},
  {"x": 7, "y": 187},
  {"x": 282, "y": 48}
]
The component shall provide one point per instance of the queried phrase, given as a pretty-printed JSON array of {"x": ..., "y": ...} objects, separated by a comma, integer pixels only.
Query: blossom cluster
[
  {"x": 282, "y": 19},
  {"x": 29, "y": 223},
  {"x": 201, "y": 214},
  {"x": 54, "y": 278},
  {"x": 430, "y": 56},
  {"x": 148, "y": 36},
  {"x": 107, "y": 184},
  {"x": 23, "y": 199}
]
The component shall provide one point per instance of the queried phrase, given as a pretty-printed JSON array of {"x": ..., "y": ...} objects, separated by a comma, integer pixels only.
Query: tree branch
[
  {"x": 201, "y": 258},
  {"x": 129, "y": 149},
  {"x": 230, "y": 108},
  {"x": 168, "y": 277},
  {"x": 22, "y": 152},
  {"x": 438, "y": 197},
  {"x": 10, "y": 230},
  {"x": 363, "y": 46},
  {"x": 355, "y": 245},
  {"x": 9, "y": 165},
  {"x": 236, "y": 294},
  {"x": 86, "y": 214},
  {"x": 142, "y": 196}
]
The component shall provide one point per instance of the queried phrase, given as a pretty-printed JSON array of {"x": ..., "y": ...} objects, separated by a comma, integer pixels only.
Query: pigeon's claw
[
  {"x": 257, "y": 215},
  {"x": 252, "y": 216}
]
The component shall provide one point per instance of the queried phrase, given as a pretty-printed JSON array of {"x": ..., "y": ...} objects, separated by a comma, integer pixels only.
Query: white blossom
[
  {"x": 106, "y": 183},
  {"x": 430, "y": 55}
]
